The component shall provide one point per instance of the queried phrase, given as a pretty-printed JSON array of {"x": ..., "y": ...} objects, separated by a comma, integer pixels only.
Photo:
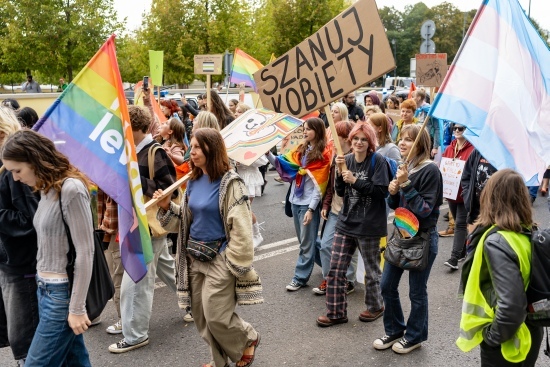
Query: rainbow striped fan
[{"x": 406, "y": 222}]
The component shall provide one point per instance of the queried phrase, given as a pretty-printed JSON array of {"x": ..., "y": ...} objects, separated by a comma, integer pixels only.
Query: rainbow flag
[
  {"x": 89, "y": 123},
  {"x": 244, "y": 66},
  {"x": 498, "y": 87}
]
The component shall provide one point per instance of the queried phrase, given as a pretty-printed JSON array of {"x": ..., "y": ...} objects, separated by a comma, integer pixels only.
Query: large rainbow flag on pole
[
  {"x": 499, "y": 88},
  {"x": 89, "y": 123},
  {"x": 244, "y": 66}
]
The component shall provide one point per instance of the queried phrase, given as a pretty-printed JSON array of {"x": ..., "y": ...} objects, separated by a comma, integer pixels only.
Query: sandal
[{"x": 247, "y": 358}]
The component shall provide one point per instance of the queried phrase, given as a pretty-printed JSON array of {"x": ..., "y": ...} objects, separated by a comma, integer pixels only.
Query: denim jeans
[
  {"x": 136, "y": 299},
  {"x": 460, "y": 215},
  {"x": 18, "y": 312},
  {"x": 417, "y": 325},
  {"x": 54, "y": 343},
  {"x": 325, "y": 252},
  {"x": 309, "y": 247}
]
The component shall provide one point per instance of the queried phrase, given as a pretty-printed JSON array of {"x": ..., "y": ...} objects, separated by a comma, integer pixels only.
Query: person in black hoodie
[{"x": 18, "y": 247}]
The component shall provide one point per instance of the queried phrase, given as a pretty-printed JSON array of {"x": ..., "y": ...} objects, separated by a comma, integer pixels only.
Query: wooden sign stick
[
  {"x": 417, "y": 138},
  {"x": 169, "y": 190},
  {"x": 209, "y": 92},
  {"x": 339, "y": 151}
]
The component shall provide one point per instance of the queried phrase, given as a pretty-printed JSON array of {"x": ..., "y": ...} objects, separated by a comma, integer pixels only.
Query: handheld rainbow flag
[
  {"x": 89, "y": 123},
  {"x": 499, "y": 88},
  {"x": 406, "y": 222},
  {"x": 244, "y": 66}
]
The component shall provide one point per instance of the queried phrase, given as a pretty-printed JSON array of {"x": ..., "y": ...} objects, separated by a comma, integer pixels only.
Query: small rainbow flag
[
  {"x": 89, "y": 123},
  {"x": 244, "y": 66},
  {"x": 406, "y": 222}
]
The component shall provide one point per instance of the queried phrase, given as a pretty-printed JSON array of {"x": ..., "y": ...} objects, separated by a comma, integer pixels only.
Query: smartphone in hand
[{"x": 145, "y": 83}]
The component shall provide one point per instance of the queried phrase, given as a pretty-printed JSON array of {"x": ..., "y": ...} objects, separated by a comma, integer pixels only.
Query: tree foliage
[{"x": 54, "y": 37}]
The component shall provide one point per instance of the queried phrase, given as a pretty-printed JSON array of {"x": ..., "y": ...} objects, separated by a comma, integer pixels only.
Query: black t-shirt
[
  {"x": 484, "y": 171},
  {"x": 363, "y": 211}
]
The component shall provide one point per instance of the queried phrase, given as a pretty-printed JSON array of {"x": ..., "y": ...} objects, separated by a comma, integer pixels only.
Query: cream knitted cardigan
[{"x": 236, "y": 215}]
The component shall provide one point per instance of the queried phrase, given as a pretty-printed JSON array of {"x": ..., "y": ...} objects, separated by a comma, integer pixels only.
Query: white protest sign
[
  {"x": 451, "y": 170},
  {"x": 255, "y": 132},
  {"x": 346, "y": 53},
  {"x": 292, "y": 140}
]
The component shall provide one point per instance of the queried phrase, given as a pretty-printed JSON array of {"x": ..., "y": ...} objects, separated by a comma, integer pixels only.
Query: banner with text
[
  {"x": 348, "y": 52},
  {"x": 451, "y": 170}
]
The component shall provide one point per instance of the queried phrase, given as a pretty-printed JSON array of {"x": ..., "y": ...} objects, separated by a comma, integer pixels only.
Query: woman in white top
[{"x": 34, "y": 160}]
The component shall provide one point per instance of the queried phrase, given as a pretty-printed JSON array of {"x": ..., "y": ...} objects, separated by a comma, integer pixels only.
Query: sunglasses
[{"x": 457, "y": 128}]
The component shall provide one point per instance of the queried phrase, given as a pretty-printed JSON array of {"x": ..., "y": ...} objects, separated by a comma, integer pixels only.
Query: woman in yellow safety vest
[{"x": 496, "y": 275}]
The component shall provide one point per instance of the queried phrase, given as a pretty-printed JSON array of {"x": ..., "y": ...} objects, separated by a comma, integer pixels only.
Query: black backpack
[{"x": 538, "y": 291}]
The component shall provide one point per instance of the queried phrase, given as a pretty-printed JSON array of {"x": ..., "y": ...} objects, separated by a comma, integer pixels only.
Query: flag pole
[
  {"x": 169, "y": 190},
  {"x": 417, "y": 139}
]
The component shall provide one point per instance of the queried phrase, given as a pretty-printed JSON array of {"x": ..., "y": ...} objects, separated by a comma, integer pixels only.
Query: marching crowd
[{"x": 203, "y": 237}]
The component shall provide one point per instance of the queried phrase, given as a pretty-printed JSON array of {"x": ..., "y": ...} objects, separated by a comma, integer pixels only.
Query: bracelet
[{"x": 405, "y": 184}]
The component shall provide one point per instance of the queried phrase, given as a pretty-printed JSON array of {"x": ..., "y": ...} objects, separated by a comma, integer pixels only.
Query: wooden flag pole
[
  {"x": 158, "y": 91},
  {"x": 2, "y": 169},
  {"x": 169, "y": 190},
  {"x": 339, "y": 151},
  {"x": 209, "y": 92}
]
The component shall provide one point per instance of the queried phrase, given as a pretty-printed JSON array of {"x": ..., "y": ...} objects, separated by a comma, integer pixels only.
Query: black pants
[{"x": 492, "y": 356}]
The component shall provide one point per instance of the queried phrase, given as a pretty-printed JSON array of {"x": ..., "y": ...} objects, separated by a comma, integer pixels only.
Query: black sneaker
[
  {"x": 350, "y": 287},
  {"x": 386, "y": 341},
  {"x": 451, "y": 263},
  {"x": 123, "y": 347}
]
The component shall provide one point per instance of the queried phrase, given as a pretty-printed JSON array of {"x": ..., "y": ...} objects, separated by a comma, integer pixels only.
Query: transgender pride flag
[
  {"x": 498, "y": 87},
  {"x": 89, "y": 123}
]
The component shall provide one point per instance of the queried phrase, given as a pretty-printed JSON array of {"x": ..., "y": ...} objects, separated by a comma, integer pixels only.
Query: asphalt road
[{"x": 286, "y": 321}]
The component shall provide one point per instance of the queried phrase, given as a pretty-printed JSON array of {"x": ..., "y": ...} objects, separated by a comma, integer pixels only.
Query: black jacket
[
  {"x": 18, "y": 243},
  {"x": 468, "y": 183},
  {"x": 355, "y": 113}
]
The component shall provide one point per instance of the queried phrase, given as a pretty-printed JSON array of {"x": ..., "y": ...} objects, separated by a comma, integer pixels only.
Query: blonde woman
[
  {"x": 206, "y": 119},
  {"x": 241, "y": 108}
]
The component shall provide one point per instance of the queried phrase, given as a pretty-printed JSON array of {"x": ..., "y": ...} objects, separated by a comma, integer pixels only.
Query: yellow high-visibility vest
[{"x": 477, "y": 314}]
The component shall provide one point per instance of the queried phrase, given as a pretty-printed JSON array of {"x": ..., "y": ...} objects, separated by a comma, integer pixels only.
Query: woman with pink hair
[{"x": 361, "y": 223}]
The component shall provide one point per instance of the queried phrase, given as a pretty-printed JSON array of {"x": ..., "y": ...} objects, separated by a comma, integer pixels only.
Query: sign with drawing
[
  {"x": 292, "y": 140},
  {"x": 431, "y": 69},
  {"x": 255, "y": 132}
]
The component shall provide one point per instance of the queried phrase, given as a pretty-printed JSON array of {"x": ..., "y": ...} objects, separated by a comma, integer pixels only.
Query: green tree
[{"x": 55, "y": 37}]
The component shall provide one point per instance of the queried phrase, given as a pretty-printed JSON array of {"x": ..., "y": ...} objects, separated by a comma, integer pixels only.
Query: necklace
[{"x": 458, "y": 148}]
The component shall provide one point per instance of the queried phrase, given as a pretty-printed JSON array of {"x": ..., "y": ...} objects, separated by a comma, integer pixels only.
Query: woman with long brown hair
[
  {"x": 496, "y": 274},
  {"x": 417, "y": 187},
  {"x": 215, "y": 214},
  {"x": 386, "y": 147},
  {"x": 307, "y": 168},
  {"x": 220, "y": 110},
  {"x": 173, "y": 134},
  {"x": 34, "y": 160}
]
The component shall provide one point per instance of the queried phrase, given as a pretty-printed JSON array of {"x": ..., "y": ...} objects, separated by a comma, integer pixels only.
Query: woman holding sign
[
  {"x": 418, "y": 188},
  {"x": 361, "y": 224},
  {"x": 459, "y": 151},
  {"x": 307, "y": 168},
  {"x": 215, "y": 251}
]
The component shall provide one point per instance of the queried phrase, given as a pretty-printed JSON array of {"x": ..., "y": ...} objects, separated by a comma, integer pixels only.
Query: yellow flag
[{"x": 156, "y": 59}]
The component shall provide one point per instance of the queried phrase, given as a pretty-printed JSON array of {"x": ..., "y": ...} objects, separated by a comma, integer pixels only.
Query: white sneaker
[
  {"x": 188, "y": 317},
  {"x": 257, "y": 237},
  {"x": 115, "y": 328},
  {"x": 404, "y": 347}
]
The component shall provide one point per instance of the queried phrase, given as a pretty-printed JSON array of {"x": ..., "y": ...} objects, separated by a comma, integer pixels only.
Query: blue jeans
[
  {"x": 325, "y": 252},
  {"x": 54, "y": 343},
  {"x": 533, "y": 191},
  {"x": 18, "y": 312},
  {"x": 417, "y": 325},
  {"x": 309, "y": 247}
]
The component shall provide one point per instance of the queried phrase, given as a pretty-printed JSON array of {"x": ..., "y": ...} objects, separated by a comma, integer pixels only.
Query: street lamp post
[{"x": 395, "y": 56}]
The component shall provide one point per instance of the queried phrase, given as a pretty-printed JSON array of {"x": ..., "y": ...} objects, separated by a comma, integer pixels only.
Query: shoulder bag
[
  {"x": 101, "y": 288},
  {"x": 408, "y": 253}
]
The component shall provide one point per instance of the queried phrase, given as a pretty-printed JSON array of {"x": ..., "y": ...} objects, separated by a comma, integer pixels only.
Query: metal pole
[
  {"x": 529, "y": 11},
  {"x": 395, "y": 55}
]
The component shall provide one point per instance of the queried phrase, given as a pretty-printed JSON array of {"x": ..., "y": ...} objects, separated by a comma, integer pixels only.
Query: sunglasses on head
[{"x": 459, "y": 128}]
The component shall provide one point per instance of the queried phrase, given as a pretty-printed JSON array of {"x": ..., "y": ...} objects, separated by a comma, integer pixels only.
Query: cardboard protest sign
[
  {"x": 451, "y": 170},
  {"x": 255, "y": 132},
  {"x": 431, "y": 69},
  {"x": 208, "y": 64},
  {"x": 292, "y": 140},
  {"x": 348, "y": 52},
  {"x": 395, "y": 115}
]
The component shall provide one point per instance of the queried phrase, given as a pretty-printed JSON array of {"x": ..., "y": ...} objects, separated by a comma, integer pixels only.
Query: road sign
[
  {"x": 427, "y": 30},
  {"x": 427, "y": 47}
]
